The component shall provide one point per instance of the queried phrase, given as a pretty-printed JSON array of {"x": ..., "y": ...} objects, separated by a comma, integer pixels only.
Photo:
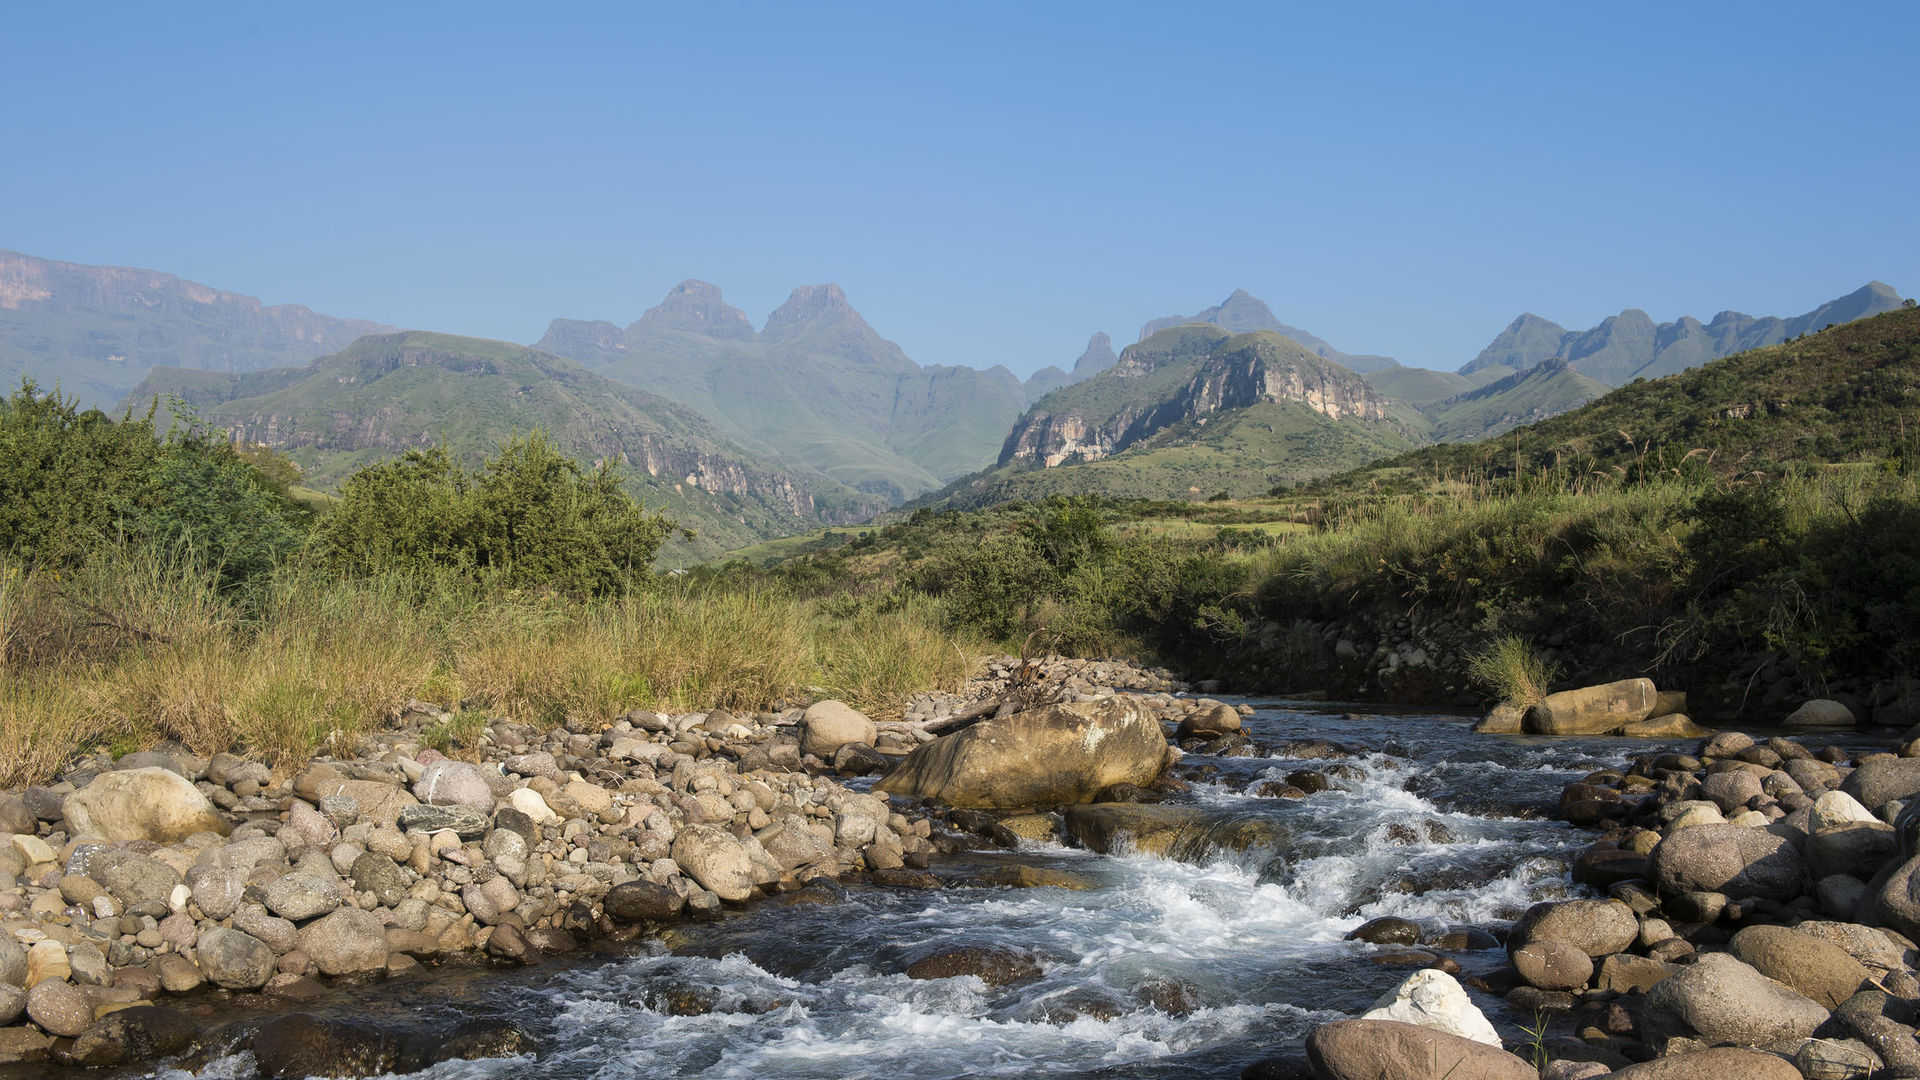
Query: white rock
[
  {"x": 1433, "y": 999},
  {"x": 1838, "y": 810},
  {"x": 529, "y": 802}
]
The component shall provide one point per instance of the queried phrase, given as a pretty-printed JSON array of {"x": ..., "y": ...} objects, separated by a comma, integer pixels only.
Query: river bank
[{"x": 1295, "y": 873}]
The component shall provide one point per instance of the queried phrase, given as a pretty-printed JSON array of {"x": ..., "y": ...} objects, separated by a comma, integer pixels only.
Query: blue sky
[{"x": 990, "y": 183}]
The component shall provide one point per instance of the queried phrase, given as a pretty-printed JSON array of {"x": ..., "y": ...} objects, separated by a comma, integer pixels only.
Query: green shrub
[{"x": 529, "y": 518}]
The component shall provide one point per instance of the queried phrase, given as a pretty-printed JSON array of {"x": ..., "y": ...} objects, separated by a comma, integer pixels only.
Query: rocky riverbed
[{"x": 720, "y": 895}]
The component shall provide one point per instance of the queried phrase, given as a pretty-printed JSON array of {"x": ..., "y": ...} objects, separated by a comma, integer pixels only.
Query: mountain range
[
  {"x": 813, "y": 417},
  {"x": 816, "y": 386}
]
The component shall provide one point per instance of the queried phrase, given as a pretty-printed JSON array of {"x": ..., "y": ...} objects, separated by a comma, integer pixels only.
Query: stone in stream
[
  {"x": 1721, "y": 999},
  {"x": 60, "y": 1008},
  {"x": 300, "y": 896},
  {"x": 1880, "y": 781},
  {"x": 346, "y": 941},
  {"x": 134, "y": 1035},
  {"x": 995, "y": 965},
  {"x": 1042, "y": 757},
  {"x": 1386, "y": 930},
  {"x": 142, "y": 804},
  {"x": 1210, "y": 723},
  {"x": 297, "y": 1045},
  {"x": 234, "y": 960},
  {"x": 1377, "y": 1049},
  {"x": 829, "y": 725},
  {"x": 1593, "y": 710},
  {"x": 716, "y": 859},
  {"x": 642, "y": 901},
  {"x": 1553, "y": 965},
  {"x": 1820, "y": 713},
  {"x": 1434, "y": 999}
]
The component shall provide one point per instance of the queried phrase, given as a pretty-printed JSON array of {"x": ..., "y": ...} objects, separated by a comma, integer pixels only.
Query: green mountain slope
[
  {"x": 1849, "y": 394},
  {"x": 387, "y": 393},
  {"x": 1545, "y": 390},
  {"x": 1192, "y": 410},
  {"x": 96, "y": 331},
  {"x": 1417, "y": 386}
]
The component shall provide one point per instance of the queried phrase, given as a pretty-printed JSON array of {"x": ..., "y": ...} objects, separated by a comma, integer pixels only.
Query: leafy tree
[
  {"x": 69, "y": 480},
  {"x": 531, "y": 517}
]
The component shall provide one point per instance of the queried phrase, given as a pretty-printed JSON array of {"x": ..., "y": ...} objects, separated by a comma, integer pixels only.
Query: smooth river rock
[
  {"x": 1735, "y": 860},
  {"x": 1391, "y": 1050},
  {"x": 829, "y": 725},
  {"x": 1720, "y": 999},
  {"x": 1593, "y": 710},
  {"x": 1041, "y": 757},
  {"x": 142, "y": 804}
]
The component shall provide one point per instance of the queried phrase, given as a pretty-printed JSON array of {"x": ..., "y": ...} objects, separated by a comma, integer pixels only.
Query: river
[{"x": 1432, "y": 823}]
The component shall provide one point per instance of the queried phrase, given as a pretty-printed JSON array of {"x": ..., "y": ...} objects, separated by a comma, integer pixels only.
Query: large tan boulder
[
  {"x": 716, "y": 859},
  {"x": 1593, "y": 710},
  {"x": 1730, "y": 859},
  {"x": 1720, "y": 999},
  {"x": 142, "y": 804},
  {"x": 1390, "y": 1050},
  {"x": 1042, "y": 757},
  {"x": 1715, "y": 1063},
  {"x": 1817, "y": 969},
  {"x": 830, "y": 725}
]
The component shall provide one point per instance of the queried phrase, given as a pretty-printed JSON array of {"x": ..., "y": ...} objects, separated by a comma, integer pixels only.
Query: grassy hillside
[
  {"x": 1844, "y": 395},
  {"x": 1549, "y": 389},
  {"x": 1417, "y": 386},
  {"x": 385, "y": 394}
]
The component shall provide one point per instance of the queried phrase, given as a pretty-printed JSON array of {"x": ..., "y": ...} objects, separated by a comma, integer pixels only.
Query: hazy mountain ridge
[
  {"x": 97, "y": 330},
  {"x": 1631, "y": 345},
  {"x": 385, "y": 394},
  {"x": 816, "y": 385}
]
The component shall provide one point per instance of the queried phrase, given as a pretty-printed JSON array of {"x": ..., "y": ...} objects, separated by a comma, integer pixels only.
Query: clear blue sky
[{"x": 990, "y": 183}]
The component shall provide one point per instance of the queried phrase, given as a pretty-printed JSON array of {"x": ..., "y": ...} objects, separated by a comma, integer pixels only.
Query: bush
[
  {"x": 529, "y": 518},
  {"x": 1510, "y": 668}
]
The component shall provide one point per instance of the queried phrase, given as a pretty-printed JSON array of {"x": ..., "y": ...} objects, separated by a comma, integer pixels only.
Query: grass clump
[{"x": 1513, "y": 671}]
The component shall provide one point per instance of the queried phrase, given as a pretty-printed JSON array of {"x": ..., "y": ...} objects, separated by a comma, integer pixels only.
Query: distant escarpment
[
  {"x": 1179, "y": 375},
  {"x": 97, "y": 330}
]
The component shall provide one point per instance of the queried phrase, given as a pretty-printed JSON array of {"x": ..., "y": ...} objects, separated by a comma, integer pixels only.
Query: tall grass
[
  {"x": 1511, "y": 668},
  {"x": 130, "y": 649}
]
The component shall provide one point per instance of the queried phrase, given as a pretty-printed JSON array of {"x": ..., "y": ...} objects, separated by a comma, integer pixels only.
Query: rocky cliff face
[{"x": 1233, "y": 373}]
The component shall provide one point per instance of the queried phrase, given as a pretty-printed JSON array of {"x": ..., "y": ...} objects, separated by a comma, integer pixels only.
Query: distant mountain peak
[
  {"x": 697, "y": 306},
  {"x": 1098, "y": 357}
]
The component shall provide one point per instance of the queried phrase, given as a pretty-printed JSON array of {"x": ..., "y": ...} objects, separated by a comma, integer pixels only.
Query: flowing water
[{"x": 1185, "y": 967}]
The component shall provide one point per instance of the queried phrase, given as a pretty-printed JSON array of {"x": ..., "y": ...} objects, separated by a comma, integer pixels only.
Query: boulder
[
  {"x": 1391, "y": 1050},
  {"x": 1838, "y": 810},
  {"x": 642, "y": 901},
  {"x": 1593, "y": 710},
  {"x": 346, "y": 941},
  {"x": 1716, "y": 1063},
  {"x": 1820, "y": 713},
  {"x": 1858, "y": 851},
  {"x": 1553, "y": 965},
  {"x": 1895, "y": 898},
  {"x": 1433, "y": 999},
  {"x": 1386, "y": 930},
  {"x": 60, "y": 1008},
  {"x": 1210, "y": 723},
  {"x": 828, "y": 725},
  {"x": 234, "y": 960},
  {"x": 131, "y": 878},
  {"x": 300, "y": 896},
  {"x": 995, "y": 965},
  {"x": 380, "y": 804},
  {"x": 1670, "y": 726},
  {"x": 142, "y": 804},
  {"x": 1822, "y": 971},
  {"x": 130, "y": 1036},
  {"x": 1721, "y": 999},
  {"x": 1740, "y": 862},
  {"x": 380, "y": 875},
  {"x": 716, "y": 859},
  {"x": 1595, "y": 927},
  {"x": 216, "y": 889},
  {"x": 13, "y": 962},
  {"x": 1505, "y": 718},
  {"x": 16, "y": 816},
  {"x": 1879, "y": 781},
  {"x": 467, "y": 822},
  {"x": 454, "y": 783},
  {"x": 1042, "y": 757},
  {"x": 296, "y": 1045}
]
